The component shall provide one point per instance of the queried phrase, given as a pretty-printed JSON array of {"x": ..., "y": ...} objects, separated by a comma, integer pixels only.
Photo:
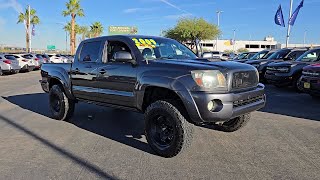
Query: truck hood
[
  {"x": 289, "y": 63},
  {"x": 200, "y": 64},
  {"x": 263, "y": 60},
  {"x": 314, "y": 67}
]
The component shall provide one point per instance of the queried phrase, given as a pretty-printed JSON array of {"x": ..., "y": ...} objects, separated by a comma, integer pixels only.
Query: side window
[
  {"x": 116, "y": 46},
  {"x": 90, "y": 51}
]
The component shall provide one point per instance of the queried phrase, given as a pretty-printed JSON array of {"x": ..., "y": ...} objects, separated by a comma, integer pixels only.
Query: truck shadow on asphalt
[
  {"x": 288, "y": 102},
  {"x": 67, "y": 154},
  {"x": 121, "y": 126}
]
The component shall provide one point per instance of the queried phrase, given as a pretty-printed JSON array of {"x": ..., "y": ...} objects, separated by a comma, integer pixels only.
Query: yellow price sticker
[{"x": 144, "y": 42}]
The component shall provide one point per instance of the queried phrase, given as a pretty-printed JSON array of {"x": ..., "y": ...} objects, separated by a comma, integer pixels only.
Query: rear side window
[
  {"x": 10, "y": 57},
  {"x": 39, "y": 56},
  {"x": 90, "y": 51},
  {"x": 27, "y": 56}
]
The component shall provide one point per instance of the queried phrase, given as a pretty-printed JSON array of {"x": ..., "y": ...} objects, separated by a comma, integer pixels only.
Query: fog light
[{"x": 211, "y": 105}]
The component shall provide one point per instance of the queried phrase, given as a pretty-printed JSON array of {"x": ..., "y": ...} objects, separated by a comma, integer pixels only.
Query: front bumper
[
  {"x": 277, "y": 78},
  {"x": 229, "y": 105},
  {"x": 314, "y": 85}
]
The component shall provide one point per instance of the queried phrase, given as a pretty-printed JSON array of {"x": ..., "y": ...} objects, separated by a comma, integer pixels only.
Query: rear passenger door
[{"x": 84, "y": 70}]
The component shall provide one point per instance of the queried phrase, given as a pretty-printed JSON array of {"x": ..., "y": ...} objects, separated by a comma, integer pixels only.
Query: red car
[{"x": 310, "y": 80}]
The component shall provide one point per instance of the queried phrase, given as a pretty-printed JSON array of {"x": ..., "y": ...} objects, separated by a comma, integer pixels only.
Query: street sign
[
  {"x": 51, "y": 47},
  {"x": 122, "y": 30}
]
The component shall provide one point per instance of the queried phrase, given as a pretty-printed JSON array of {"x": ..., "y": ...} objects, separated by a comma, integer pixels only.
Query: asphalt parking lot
[{"x": 282, "y": 141}]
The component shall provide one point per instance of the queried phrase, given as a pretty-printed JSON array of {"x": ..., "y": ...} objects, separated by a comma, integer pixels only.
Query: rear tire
[
  {"x": 167, "y": 131},
  {"x": 60, "y": 106},
  {"x": 234, "y": 124},
  {"x": 296, "y": 84},
  {"x": 1, "y": 73}
]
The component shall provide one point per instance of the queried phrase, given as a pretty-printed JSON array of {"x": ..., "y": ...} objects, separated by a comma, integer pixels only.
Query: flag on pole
[
  {"x": 295, "y": 14},
  {"x": 278, "y": 18},
  {"x": 33, "y": 32}
]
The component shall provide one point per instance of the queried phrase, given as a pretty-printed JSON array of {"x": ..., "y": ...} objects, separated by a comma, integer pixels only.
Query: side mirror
[{"x": 123, "y": 56}]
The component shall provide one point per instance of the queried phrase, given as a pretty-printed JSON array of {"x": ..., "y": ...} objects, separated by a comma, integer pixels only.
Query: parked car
[
  {"x": 42, "y": 59},
  {"x": 56, "y": 58},
  {"x": 288, "y": 73},
  {"x": 34, "y": 59},
  {"x": 287, "y": 54},
  {"x": 310, "y": 80},
  {"x": 27, "y": 65},
  {"x": 9, "y": 64},
  {"x": 158, "y": 77},
  {"x": 212, "y": 55},
  {"x": 46, "y": 58}
]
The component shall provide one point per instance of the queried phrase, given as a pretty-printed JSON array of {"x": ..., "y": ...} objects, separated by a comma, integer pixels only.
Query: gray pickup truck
[{"x": 158, "y": 77}]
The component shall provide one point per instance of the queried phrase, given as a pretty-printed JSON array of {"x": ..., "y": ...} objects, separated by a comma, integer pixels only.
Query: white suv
[
  {"x": 26, "y": 64},
  {"x": 54, "y": 58}
]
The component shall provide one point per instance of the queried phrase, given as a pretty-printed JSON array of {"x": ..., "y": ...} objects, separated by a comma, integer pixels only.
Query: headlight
[
  {"x": 209, "y": 78},
  {"x": 283, "y": 69}
]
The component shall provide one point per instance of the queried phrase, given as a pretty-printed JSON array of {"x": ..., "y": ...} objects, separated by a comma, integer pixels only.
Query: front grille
[
  {"x": 246, "y": 79},
  {"x": 311, "y": 73},
  {"x": 244, "y": 102}
]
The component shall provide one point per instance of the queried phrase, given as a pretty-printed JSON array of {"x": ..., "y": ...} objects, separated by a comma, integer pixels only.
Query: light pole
[
  {"x": 234, "y": 40},
  {"x": 304, "y": 38},
  {"x": 218, "y": 14},
  {"x": 289, "y": 26},
  {"x": 66, "y": 35}
]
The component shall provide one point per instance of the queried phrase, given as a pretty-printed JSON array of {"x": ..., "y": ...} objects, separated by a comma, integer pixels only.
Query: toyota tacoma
[{"x": 158, "y": 77}]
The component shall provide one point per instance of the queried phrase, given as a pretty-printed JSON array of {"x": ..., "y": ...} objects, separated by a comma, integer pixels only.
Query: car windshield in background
[
  {"x": 161, "y": 48},
  {"x": 259, "y": 55},
  {"x": 310, "y": 56},
  {"x": 266, "y": 56},
  {"x": 243, "y": 56},
  {"x": 279, "y": 54}
]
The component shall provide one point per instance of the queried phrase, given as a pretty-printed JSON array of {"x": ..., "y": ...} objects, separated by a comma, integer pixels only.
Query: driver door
[{"x": 117, "y": 79}]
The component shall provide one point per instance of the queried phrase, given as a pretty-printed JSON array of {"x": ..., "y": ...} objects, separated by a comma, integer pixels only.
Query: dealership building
[{"x": 251, "y": 45}]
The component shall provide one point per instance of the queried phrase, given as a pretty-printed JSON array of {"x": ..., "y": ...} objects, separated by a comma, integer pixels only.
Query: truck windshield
[
  {"x": 310, "y": 56},
  {"x": 279, "y": 54},
  {"x": 259, "y": 55},
  {"x": 161, "y": 48}
]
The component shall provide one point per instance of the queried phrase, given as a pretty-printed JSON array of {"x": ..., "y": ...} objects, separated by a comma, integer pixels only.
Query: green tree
[
  {"x": 85, "y": 32},
  {"x": 190, "y": 29},
  {"x": 243, "y": 50},
  {"x": 24, "y": 18},
  {"x": 96, "y": 29},
  {"x": 73, "y": 9}
]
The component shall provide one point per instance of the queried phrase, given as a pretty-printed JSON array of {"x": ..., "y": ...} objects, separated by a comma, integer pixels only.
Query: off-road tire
[
  {"x": 66, "y": 106},
  {"x": 183, "y": 130},
  {"x": 234, "y": 124}
]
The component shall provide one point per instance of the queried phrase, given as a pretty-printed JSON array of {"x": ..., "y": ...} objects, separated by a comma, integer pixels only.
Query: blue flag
[
  {"x": 278, "y": 18},
  {"x": 295, "y": 14}
]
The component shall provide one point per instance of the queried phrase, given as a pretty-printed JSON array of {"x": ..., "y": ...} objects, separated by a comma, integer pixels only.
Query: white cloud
[
  {"x": 177, "y": 16},
  {"x": 134, "y": 10},
  {"x": 11, "y": 4},
  {"x": 175, "y": 6}
]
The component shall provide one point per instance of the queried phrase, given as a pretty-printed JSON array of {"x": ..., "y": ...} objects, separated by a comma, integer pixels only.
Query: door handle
[{"x": 102, "y": 71}]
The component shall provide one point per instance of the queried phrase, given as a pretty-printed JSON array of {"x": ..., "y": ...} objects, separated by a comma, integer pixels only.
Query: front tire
[
  {"x": 60, "y": 106},
  {"x": 167, "y": 131},
  {"x": 235, "y": 124}
]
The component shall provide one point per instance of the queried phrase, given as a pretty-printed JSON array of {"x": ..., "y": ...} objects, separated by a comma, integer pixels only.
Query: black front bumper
[
  {"x": 274, "y": 78},
  {"x": 314, "y": 83}
]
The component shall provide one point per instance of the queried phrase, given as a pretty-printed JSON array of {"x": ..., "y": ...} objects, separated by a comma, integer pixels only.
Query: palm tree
[
  {"x": 68, "y": 28},
  {"x": 84, "y": 31},
  {"x": 96, "y": 29},
  {"x": 24, "y": 18},
  {"x": 73, "y": 9}
]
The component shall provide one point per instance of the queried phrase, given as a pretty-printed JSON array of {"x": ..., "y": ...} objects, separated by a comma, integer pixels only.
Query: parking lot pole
[
  {"x": 218, "y": 14},
  {"x": 289, "y": 26},
  {"x": 29, "y": 26}
]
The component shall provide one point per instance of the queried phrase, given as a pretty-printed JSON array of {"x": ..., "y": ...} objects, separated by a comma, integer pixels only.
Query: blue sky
[{"x": 248, "y": 17}]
